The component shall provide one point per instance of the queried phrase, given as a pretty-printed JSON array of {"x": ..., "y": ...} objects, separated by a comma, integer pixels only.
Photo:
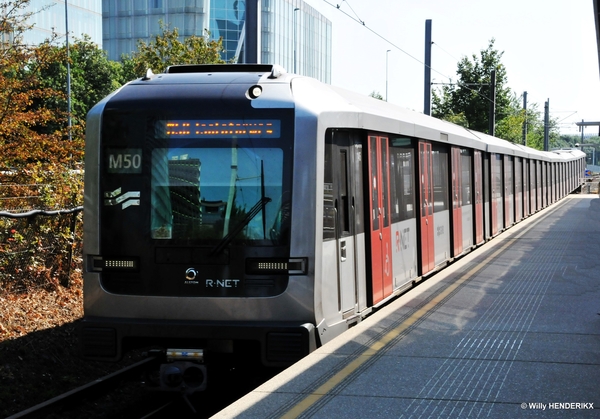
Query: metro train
[{"x": 240, "y": 209}]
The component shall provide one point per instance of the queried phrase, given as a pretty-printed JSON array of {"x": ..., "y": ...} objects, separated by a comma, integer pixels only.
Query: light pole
[
  {"x": 386, "y": 74},
  {"x": 295, "y": 58}
]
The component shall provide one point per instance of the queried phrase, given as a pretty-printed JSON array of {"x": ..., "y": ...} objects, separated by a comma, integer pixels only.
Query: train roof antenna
[
  {"x": 276, "y": 72},
  {"x": 149, "y": 75}
]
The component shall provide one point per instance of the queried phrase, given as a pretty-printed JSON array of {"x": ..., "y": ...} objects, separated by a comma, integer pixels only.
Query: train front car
[{"x": 188, "y": 213}]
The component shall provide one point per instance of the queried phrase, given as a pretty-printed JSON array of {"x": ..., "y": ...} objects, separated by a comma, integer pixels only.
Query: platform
[{"x": 512, "y": 330}]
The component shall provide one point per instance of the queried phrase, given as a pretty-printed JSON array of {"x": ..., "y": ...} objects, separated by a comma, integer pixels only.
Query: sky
[{"x": 549, "y": 49}]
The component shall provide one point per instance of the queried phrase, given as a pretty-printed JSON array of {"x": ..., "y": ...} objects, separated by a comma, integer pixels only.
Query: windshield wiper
[{"x": 258, "y": 207}]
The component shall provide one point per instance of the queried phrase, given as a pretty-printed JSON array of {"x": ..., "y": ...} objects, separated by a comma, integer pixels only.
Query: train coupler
[{"x": 183, "y": 371}]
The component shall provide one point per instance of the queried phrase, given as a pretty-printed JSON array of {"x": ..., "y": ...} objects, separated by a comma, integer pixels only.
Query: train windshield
[
  {"x": 220, "y": 181},
  {"x": 199, "y": 185}
]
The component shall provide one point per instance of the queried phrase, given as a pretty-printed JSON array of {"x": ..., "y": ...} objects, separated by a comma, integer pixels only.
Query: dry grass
[{"x": 39, "y": 352}]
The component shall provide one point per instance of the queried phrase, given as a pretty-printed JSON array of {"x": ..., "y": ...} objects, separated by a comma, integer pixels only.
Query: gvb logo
[{"x": 126, "y": 199}]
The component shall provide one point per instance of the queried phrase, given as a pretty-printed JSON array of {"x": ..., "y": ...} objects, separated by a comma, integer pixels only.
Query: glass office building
[
  {"x": 85, "y": 17},
  {"x": 297, "y": 37},
  {"x": 124, "y": 22},
  {"x": 293, "y": 34},
  {"x": 227, "y": 19}
]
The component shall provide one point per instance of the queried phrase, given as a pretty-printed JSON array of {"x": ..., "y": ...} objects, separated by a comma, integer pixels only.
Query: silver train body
[{"x": 237, "y": 206}]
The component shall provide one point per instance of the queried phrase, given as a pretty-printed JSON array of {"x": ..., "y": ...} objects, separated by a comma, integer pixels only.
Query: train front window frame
[{"x": 249, "y": 204}]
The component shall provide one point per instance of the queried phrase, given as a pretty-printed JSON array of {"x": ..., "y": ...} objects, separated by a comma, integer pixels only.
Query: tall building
[
  {"x": 85, "y": 17},
  {"x": 293, "y": 34},
  {"x": 297, "y": 37},
  {"x": 124, "y": 22},
  {"x": 226, "y": 21}
]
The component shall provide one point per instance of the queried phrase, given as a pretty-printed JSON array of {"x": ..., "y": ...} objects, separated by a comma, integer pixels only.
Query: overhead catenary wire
[{"x": 361, "y": 22}]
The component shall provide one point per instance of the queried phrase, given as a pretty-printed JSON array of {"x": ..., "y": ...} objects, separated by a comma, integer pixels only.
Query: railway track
[
  {"x": 113, "y": 396},
  {"x": 93, "y": 389}
]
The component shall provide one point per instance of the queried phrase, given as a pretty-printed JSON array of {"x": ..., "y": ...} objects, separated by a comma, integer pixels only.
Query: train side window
[
  {"x": 466, "y": 161},
  {"x": 497, "y": 176},
  {"x": 328, "y": 198},
  {"x": 402, "y": 177},
  {"x": 344, "y": 205},
  {"x": 384, "y": 181},
  {"x": 374, "y": 185},
  {"x": 394, "y": 199},
  {"x": 518, "y": 176},
  {"x": 337, "y": 203},
  {"x": 440, "y": 178}
]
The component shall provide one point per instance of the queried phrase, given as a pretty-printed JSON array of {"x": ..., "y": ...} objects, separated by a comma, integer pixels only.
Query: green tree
[
  {"x": 23, "y": 137},
  {"x": 34, "y": 146},
  {"x": 93, "y": 76},
  {"x": 166, "y": 49},
  {"x": 469, "y": 98},
  {"x": 569, "y": 141},
  {"x": 467, "y": 102},
  {"x": 511, "y": 127}
]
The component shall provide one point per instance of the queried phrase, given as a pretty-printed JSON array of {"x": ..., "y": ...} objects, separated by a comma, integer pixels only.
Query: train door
[
  {"x": 538, "y": 176},
  {"x": 487, "y": 190},
  {"x": 426, "y": 201},
  {"x": 565, "y": 188},
  {"x": 532, "y": 194},
  {"x": 466, "y": 159},
  {"x": 526, "y": 206},
  {"x": 518, "y": 189},
  {"x": 496, "y": 202},
  {"x": 402, "y": 205},
  {"x": 440, "y": 157},
  {"x": 508, "y": 191},
  {"x": 340, "y": 179},
  {"x": 456, "y": 170},
  {"x": 478, "y": 190},
  {"x": 545, "y": 184},
  {"x": 381, "y": 259},
  {"x": 552, "y": 180}
]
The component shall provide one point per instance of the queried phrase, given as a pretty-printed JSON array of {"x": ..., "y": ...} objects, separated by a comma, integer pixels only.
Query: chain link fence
[{"x": 39, "y": 247}]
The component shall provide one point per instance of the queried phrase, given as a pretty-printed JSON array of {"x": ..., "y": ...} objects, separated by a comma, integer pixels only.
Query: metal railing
[{"x": 37, "y": 247}]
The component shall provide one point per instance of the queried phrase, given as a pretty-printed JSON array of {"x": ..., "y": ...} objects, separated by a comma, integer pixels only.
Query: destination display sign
[{"x": 223, "y": 128}]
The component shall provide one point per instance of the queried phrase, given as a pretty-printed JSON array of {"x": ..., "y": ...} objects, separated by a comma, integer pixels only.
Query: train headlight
[
  {"x": 121, "y": 264},
  {"x": 254, "y": 92},
  {"x": 292, "y": 266}
]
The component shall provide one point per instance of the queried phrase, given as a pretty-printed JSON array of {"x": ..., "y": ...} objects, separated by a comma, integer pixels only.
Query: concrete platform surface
[{"x": 512, "y": 330}]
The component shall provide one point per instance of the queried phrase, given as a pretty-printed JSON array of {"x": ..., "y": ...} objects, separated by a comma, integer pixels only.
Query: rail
[{"x": 96, "y": 388}]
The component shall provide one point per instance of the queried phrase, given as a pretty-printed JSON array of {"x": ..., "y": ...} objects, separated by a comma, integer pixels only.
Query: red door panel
[
  {"x": 456, "y": 201},
  {"x": 381, "y": 260},
  {"x": 496, "y": 185},
  {"x": 478, "y": 198},
  {"x": 386, "y": 231},
  {"x": 426, "y": 196}
]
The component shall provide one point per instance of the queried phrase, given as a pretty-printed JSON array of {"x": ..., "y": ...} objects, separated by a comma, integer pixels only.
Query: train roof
[
  {"x": 341, "y": 107},
  {"x": 380, "y": 115},
  {"x": 568, "y": 153}
]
